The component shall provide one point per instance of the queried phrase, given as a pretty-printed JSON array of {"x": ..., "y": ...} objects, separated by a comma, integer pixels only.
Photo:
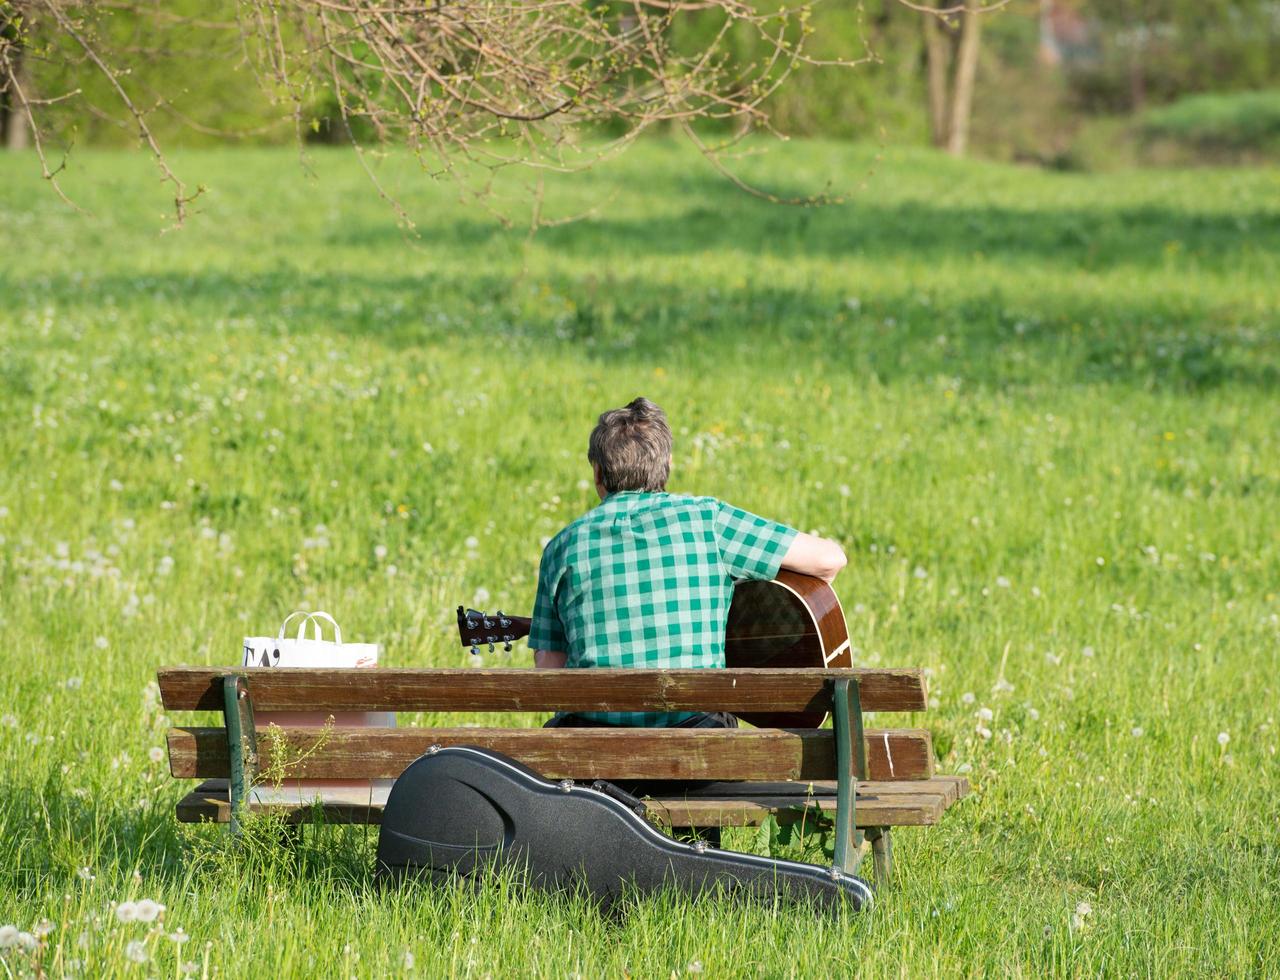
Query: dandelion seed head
[
  {"x": 968, "y": 697},
  {"x": 136, "y": 951},
  {"x": 147, "y": 910},
  {"x": 986, "y": 714},
  {"x": 1223, "y": 738},
  {"x": 1137, "y": 731},
  {"x": 126, "y": 912}
]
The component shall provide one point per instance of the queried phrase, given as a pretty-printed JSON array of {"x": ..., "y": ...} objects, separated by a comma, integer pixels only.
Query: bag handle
[
  {"x": 302, "y": 628},
  {"x": 314, "y": 619}
]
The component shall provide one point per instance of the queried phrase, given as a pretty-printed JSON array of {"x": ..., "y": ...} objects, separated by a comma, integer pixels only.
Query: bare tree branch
[{"x": 468, "y": 86}]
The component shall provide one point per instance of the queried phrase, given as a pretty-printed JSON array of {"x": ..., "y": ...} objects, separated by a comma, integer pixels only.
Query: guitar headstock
[{"x": 476, "y": 628}]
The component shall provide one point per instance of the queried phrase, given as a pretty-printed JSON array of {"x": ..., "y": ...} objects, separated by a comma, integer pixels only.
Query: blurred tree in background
[
  {"x": 183, "y": 62},
  {"x": 1127, "y": 53},
  {"x": 1046, "y": 75}
]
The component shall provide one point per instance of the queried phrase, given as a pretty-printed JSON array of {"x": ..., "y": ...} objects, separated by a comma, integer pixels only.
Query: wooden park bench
[{"x": 895, "y": 781}]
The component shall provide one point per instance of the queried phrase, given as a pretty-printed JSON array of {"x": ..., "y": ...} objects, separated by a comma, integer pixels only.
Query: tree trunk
[
  {"x": 937, "y": 49},
  {"x": 13, "y": 111},
  {"x": 962, "y": 90},
  {"x": 1137, "y": 80}
]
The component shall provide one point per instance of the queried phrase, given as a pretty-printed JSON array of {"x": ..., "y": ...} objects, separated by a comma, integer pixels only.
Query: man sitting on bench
[{"x": 645, "y": 579}]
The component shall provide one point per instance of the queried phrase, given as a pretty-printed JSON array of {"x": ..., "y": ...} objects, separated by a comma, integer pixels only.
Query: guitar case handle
[{"x": 632, "y": 803}]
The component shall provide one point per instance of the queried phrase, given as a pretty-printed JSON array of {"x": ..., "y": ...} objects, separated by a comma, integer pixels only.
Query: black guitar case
[{"x": 462, "y": 811}]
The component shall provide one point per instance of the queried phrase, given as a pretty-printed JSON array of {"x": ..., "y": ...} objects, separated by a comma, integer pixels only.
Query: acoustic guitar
[{"x": 793, "y": 621}]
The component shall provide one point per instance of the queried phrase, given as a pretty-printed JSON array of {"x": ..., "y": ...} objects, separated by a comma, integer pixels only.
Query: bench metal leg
[
  {"x": 851, "y": 763},
  {"x": 242, "y": 743},
  {"x": 882, "y": 852}
]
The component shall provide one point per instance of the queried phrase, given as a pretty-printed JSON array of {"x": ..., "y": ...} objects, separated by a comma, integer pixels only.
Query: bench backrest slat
[
  {"x": 637, "y": 753},
  {"x": 422, "y": 689}
]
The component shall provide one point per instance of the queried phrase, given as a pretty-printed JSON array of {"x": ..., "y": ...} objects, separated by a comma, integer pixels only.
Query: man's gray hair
[{"x": 632, "y": 447}]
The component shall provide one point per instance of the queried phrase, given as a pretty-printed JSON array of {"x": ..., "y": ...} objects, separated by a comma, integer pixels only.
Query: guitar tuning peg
[
  {"x": 475, "y": 650},
  {"x": 491, "y": 648},
  {"x": 506, "y": 647}
]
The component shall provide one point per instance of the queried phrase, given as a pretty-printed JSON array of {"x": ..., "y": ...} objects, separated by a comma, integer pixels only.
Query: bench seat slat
[
  {"x": 916, "y": 810},
  {"x": 638, "y": 753},
  {"x": 515, "y": 689},
  {"x": 916, "y": 803}
]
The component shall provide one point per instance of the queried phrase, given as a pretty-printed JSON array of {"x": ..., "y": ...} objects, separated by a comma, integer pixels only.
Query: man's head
[{"x": 630, "y": 449}]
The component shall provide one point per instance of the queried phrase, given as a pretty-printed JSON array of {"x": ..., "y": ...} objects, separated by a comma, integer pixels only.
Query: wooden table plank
[
  {"x": 464, "y": 689},
  {"x": 585, "y": 753}
]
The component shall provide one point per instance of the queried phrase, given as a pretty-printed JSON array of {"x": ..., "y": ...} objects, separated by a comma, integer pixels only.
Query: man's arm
[
  {"x": 811, "y": 555},
  {"x": 547, "y": 636}
]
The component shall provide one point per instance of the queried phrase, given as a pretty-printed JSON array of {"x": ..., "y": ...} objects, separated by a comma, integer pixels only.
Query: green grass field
[{"x": 1039, "y": 411}]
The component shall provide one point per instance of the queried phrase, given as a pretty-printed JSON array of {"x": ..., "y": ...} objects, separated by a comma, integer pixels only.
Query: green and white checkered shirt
[{"x": 645, "y": 580}]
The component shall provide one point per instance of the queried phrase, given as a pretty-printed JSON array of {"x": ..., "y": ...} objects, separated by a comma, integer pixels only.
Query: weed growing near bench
[{"x": 1039, "y": 410}]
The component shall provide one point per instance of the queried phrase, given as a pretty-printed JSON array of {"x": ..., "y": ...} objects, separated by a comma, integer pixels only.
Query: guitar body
[{"x": 793, "y": 621}]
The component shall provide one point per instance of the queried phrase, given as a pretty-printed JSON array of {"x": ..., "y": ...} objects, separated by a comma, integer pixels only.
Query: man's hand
[
  {"x": 549, "y": 658},
  {"x": 811, "y": 555}
]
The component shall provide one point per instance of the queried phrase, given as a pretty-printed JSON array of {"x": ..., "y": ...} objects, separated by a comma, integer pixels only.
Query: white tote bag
[{"x": 302, "y": 651}]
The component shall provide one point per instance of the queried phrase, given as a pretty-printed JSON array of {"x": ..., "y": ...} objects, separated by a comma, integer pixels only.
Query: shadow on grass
[
  {"x": 895, "y": 331},
  {"x": 70, "y": 839},
  {"x": 720, "y": 217}
]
